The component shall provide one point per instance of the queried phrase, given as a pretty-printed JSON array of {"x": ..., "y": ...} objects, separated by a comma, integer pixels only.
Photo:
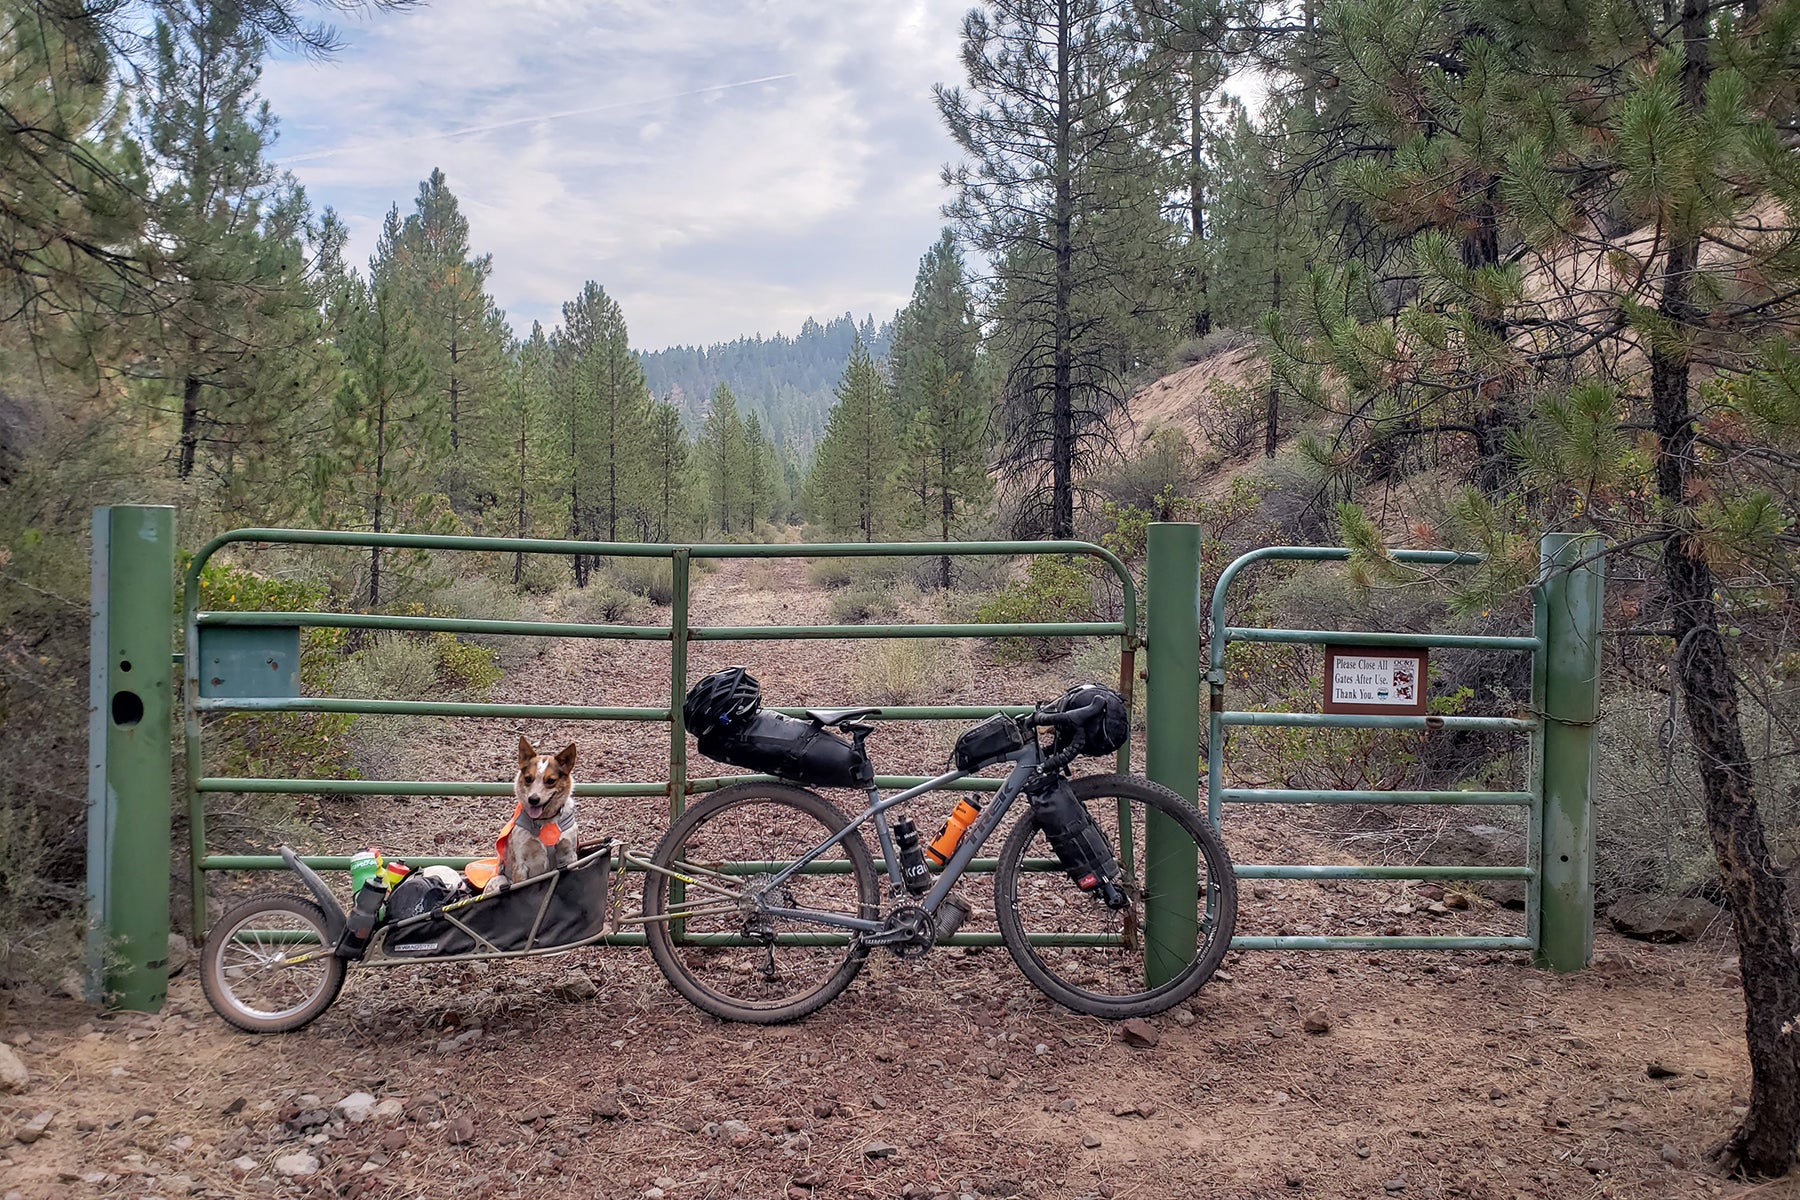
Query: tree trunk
[
  {"x": 949, "y": 511},
  {"x": 579, "y": 560},
  {"x": 381, "y": 414},
  {"x": 1272, "y": 418},
  {"x": 190, "y": 425},
  {"x": 1197, "y": 191},
  {"x": 1062, "y": 386},
  {"x": 1763, "y": 1143},
  {"x": 519, "y": 558}
]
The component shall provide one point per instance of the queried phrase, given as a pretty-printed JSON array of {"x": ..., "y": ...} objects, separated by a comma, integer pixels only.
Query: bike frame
[{"x": 1025, "y": 762}]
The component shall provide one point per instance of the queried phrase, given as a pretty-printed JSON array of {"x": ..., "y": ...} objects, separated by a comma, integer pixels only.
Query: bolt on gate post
[
  {"x": 131, "y": 712},
  {"x": 1172, "y": 719},
  {"x": 1568, "y": 609}
]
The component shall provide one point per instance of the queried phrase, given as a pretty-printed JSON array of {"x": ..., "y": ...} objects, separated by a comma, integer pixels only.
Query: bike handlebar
[{"x": 1065, "y": 720}]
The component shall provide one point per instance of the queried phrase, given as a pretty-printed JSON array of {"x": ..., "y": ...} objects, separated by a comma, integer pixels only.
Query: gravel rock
[
  {"x": 1139, "y": 1034},
  {"x": 295, "y": 1165},
  {"x": 1184, "y": 1016},
  {"x": 1316, "y": 1021},
  {"x": 880, "y": 1150},
  {"x": 386, "y": 1110},
  {"x": 1651, "y": 918},
  {"x": 1661, "y": 1070},
  {"x": 244, "y": 1165},
  {"x": 355, "y": 1108},
  {"x": 13, "y": 1075},
  {"x": 1090, "y": 1141},
  {"x": 181, "y": 953},
  {"x": 574, "y": 987},
  {"x": 608, "y": 1107},
  {"x": 460, "y": 1131},
  {"x": 34, "y": 1129}
]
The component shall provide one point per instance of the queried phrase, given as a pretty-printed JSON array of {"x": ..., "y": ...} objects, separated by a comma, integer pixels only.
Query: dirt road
[{"x": 1439, "y": 1075}]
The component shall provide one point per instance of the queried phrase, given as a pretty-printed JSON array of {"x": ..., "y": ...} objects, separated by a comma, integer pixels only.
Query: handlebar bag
[
  {"x": 789, "y": 748},
  {"x": 1102, "y": 731},
  {"x": 988, "y": 743}
]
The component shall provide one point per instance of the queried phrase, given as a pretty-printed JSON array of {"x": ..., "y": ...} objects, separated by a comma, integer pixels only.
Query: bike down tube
[{"x": 875, "y": 809}]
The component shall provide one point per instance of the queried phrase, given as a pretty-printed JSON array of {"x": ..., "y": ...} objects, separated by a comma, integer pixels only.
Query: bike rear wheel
[
  {"x": 709, "y": 881},
  {"x": 249, "y": 971},
  {"x": 1176, "y": 927}
]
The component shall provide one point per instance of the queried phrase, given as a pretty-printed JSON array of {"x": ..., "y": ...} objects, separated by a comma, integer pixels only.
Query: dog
[{"x": 541, "y": 835}]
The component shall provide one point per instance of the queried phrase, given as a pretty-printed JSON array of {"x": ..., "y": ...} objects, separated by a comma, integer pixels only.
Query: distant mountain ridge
[{"x": 789, "y": 382}]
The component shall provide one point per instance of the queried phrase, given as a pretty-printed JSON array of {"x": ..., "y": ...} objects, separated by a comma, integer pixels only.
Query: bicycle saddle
[{"x": 837, "y": 716}]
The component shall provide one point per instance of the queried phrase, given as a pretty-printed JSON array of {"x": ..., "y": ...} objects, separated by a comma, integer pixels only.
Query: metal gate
[
  {"x": 1563, "y": 645},
  {"x": 247, "y": 662}
]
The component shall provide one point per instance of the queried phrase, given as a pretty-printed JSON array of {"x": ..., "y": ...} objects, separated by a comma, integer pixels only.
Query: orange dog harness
[{"x": 549, "y": 834}]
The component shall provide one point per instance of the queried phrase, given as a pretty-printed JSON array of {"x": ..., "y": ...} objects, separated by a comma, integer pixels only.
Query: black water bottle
[
  {"x": 364, "y": 914},
  {"x": 913, "y": 870}
]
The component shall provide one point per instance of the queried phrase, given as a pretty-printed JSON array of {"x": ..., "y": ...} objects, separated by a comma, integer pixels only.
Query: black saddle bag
[{"x": 789, "y": 748}]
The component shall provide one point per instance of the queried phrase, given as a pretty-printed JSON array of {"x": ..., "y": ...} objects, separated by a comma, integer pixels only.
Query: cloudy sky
[{"x": 721, "y": 168}]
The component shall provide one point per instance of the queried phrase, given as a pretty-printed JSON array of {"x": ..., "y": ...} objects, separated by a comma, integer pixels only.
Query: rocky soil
[{"x": 1403, "y": 1075}]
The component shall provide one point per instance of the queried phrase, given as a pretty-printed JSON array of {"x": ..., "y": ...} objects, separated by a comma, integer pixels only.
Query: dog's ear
[
  {"x": 566, "y": 757},
  {"x": 526, "y": 752}
]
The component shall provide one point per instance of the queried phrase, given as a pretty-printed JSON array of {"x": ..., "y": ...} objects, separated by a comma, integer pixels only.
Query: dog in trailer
[{"x": 541, "y": 835}]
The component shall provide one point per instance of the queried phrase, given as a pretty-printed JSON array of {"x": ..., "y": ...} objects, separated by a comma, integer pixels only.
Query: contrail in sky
[{"x": 530, "y": 120}]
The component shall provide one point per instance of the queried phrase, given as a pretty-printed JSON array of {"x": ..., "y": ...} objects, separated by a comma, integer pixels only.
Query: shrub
[
  {"x": 1055, "y": 588},
  {"x": 601, "y": 603},
  {"x": 651, "y": 578},
  {"x": 1197, "y": 350},
  {"x": 831, "y": 573},
  {"x": 906, "y": 670},
  {"x": 1161, "y": 468},
  {"x": 865, "y": 602},
  {"x": 484, "y": 598},
  {"x": 1232, "y": 416}
]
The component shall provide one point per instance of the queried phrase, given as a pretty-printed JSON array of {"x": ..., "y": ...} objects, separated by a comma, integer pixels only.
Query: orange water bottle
[{"x": 944, "y": 845}]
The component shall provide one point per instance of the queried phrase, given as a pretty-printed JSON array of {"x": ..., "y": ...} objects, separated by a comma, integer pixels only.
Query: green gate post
[
  {"x": 1572, "y": 602},
  {"x": 1172, "y": 718},
  {"x": 131, "y": 711}
]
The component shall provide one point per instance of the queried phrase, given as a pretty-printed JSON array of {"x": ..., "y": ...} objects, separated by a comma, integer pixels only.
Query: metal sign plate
[
  {"x": 249, "y": 662},
  {"x": 1375, "y": 680}
]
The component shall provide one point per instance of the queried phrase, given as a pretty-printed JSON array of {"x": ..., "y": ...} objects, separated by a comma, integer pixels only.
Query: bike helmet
[
  {"x": 722, "y": 698},
  {"x": 1103, "y": 731}
]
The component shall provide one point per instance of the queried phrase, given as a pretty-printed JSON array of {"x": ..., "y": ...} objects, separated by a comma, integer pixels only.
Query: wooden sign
[{"x": 1375, "y": 680}]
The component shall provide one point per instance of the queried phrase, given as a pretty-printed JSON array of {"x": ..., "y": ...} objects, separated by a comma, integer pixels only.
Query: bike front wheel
[
  {"x": 268, "y": 966},
  {"x": 1181, "y": 904},
  {"x": 710, "y": 885}
]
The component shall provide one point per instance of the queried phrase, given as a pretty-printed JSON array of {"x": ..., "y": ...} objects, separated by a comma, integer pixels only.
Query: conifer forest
[{"x": 1370, "y": 273}]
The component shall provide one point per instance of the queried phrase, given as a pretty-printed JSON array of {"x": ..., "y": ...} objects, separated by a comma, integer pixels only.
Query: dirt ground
[{"x": 1440, "y": 1075}]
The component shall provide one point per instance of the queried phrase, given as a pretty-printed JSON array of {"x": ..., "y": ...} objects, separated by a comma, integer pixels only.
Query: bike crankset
[{"x": 908, "y": 931}]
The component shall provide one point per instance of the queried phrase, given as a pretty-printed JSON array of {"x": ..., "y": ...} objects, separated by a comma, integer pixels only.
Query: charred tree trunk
[
  {"x": 1197, "y": 189},
  {"x": 1272, "y": 418},
  {"x": 1763, "y": 1144},
  {"x": 1062, "y": 231},
  {"x": 190, "y": 425}
]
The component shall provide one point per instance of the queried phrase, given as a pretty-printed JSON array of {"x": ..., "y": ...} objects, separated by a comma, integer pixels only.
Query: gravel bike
[{"x": 763, "y": 901}]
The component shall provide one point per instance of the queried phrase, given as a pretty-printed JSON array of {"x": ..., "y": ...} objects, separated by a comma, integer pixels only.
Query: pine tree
[
  {"x": 851, "y": 485},
  {"x": 722, "y": 453},
  {"x": 1601, "y": 227},
  {"x": 394, "y": 440},
  {"x": 759, "y": 473},
  {"x": 936, "y": 342},
  {"x": 464, "y": 333},
  {"x": 1055, "y": 194},
  {"x": 237, "y": 323},
  {"x": 526, "y": 418},
  {"x": 668, "y": 456}
]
